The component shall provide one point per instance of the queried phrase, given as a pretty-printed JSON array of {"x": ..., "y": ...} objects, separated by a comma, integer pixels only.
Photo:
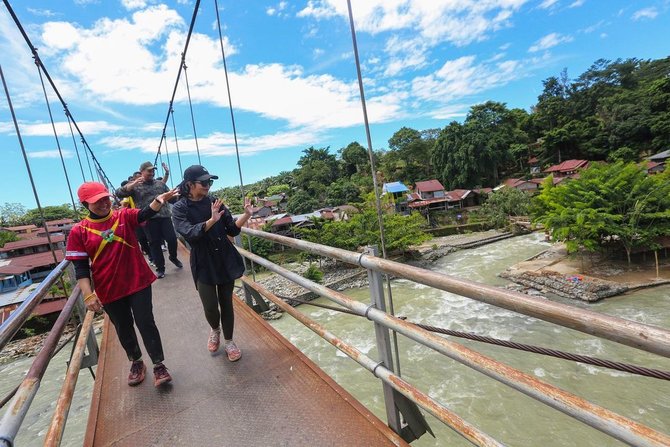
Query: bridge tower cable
[
  {"x": 53, "y": 126},
  {"x": 176, "y": 140},
  {"x": 232, "y": 120},
  {"x": 55, "y": 89},
  {"x": 190, "y": 105},
  {"x": 374, "y": 176},
  {"x": 176, "y": 84},
  {"x": 74, "y": 142},
  {"x": 30, "y": 176},
  {"x": 167, "y": 156}
]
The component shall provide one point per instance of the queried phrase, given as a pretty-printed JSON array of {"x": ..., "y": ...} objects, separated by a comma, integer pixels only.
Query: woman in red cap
[
  {"x": 104, "y": 244},
  {"x": 215, "y": 263}
]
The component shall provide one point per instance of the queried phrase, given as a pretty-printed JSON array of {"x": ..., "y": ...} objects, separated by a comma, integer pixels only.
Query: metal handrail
[
  {"x": 458, "y": 424},
  {"x": 631, "y": 333},
  {"x": 55, "y": 433},
  {"x": 17, "y": 318},
  {"x": 600, "y": 418},
  {"x": 18, "y": 407}
]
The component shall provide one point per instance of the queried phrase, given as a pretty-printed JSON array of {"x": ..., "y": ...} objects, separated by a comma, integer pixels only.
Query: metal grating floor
[{"x": 273, "y": 396}]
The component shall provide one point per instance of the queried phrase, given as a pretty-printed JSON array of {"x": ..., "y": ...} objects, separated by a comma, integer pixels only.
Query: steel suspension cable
[
  {"x": 176, "y": 83},
  {"x": 53, "y": 86},
  {"x": 53, "y": 126},
  {"x": 610, "y": 364},
  {"x": 374, "y": 176},
  {"x": 190, "y": 106},
  {"x": 176, "y": 141},
  {"x": 232, "y": 120},
  {"x": 74, "y": 142},
  {"x": 30, "y": 175},
  {"x": 167, "y": 156}
]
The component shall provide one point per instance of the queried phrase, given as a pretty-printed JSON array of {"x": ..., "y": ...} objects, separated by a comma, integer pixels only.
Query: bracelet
[
  {"x": 156, "y": 199},
  {"x": 89, "y": 296}
]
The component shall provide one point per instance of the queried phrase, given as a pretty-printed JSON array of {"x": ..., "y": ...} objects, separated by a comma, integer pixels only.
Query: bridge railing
[
  {"x": 645, "y": 337},
  {"x": 24, "y": 394}
]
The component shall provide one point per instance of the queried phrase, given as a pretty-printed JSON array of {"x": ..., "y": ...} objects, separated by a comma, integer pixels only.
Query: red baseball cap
[{"x": 91, "y": 192}]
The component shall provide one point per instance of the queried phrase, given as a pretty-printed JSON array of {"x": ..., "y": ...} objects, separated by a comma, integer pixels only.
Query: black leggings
[
  {"x": 160, "y": 229},
  {"x": 136, "y": 307},
  {"x": 213, "y": 296}
]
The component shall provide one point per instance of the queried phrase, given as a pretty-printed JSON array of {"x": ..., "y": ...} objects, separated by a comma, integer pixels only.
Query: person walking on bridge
[
  {"x": 143, "y": 190},
  {"x": 206, "y": 224},
  {"x": 105, "y": 245}
]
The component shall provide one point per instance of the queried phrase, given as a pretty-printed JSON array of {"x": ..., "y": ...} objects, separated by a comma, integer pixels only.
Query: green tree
[
  {"x": 278, "y": 189},
  {"x": 355, "y": 159},
  {"x": 302, "y": 202},
  {"x": 11, "y": 214},
  {"x": 617, "y": 204},
  {"x": 504, "y": 203},
  {"x": 34, "y": 217},
  {"x": 7, "y": 236}
]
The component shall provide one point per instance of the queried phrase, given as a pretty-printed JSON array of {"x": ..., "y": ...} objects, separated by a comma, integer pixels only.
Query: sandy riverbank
[{"x": 590, "y": 277}]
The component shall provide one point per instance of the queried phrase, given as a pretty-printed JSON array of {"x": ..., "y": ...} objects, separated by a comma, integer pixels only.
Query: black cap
[{"x": 197, "y": 173}]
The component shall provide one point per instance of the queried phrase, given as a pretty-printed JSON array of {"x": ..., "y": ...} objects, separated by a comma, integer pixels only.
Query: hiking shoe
[
  {"x": 214, "y": 340},
  {"x": 160, "y": 274},
  {"x": 161, "y": 375},
  {"x": 233, "y": 352},
  {"x": 176, "y": 262},
  {"x": 137, "y": 370}
]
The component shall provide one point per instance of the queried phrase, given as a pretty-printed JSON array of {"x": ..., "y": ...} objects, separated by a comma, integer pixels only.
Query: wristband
[
  {"x": 159, "y": 201},
  {"x": 89, "y": 296}
]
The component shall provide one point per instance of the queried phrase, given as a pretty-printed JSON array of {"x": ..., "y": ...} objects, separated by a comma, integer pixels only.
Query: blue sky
[{"x": 292, "y": 75}]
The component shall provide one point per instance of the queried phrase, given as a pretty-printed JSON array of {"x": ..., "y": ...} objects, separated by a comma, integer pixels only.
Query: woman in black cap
[{"x": 215, "y": 263}]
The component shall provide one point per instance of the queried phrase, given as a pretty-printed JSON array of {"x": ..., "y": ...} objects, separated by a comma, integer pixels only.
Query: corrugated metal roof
[
  {"x": 395, "y": 187},
  {"x": 429, "y": 186}
]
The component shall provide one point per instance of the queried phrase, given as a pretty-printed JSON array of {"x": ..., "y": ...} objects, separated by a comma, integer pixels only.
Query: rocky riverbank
[
  {"x": 555, "y": 271},
  {"x": 31, "y": 346}
]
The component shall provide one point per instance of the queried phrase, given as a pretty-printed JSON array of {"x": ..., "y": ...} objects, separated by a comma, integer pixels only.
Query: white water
[{"x": 496, "y": 409}]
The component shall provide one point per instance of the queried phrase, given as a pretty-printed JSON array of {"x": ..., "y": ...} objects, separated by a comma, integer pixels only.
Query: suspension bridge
[{"x": 271, "y": 396}]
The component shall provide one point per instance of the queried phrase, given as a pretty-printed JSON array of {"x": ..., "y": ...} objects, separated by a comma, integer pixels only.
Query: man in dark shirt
[{"x": 159, "y": 228}]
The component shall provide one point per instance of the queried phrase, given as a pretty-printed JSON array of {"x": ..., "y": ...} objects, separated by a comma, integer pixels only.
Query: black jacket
[{"x": 214, "y": 259}]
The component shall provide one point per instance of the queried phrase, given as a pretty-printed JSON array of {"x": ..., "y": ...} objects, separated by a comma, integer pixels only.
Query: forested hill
[
  {"x": 616, "y": 110},
  {"x": 613, "y": 111}
]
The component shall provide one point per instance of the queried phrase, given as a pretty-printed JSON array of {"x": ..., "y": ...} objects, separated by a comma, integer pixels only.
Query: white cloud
[
  {"x": 219, "y": 144},
  {"x": 549, "y": 41},
  {"x": 462, "y": 77},
  {"x": 646, "y": 13},
  {"x": 418, "y": 26},
  {"x": 546, "y": 4},
  {"x": 133, "y": 4},
  {"x": 577, "y": 3},
  {"x": 62, "y": 128},
  {"x": 49, "y": 154},
  {"x": 42, "y": 12}
]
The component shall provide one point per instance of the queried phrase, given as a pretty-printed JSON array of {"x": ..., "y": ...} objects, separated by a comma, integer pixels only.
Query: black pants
[
  {"x": 137, "y": 309},
  {"x": 213, "y": 296},
  {"x": 142, "y": 239},
  {"x": 158, "y": 230}
]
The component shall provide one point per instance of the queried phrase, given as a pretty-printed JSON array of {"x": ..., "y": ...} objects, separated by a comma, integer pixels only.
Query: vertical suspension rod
[{"x": 374, "y": 175}]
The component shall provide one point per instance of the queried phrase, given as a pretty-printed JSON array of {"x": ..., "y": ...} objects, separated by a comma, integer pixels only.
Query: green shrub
[{"x": 313, "y": 273}]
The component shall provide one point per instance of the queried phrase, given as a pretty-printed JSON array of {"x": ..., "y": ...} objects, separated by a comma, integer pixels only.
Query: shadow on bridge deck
[{"x": 273, "y": 396}]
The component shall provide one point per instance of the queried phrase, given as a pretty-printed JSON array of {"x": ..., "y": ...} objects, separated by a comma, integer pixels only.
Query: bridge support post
[
  {"x": 383, "y": 343},
  {"x": 412, "y": 425},
  {"x": 90, "y": 359}
]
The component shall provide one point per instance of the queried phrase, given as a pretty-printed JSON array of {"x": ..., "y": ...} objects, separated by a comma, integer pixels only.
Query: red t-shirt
[{"x": 117, "y": 263}]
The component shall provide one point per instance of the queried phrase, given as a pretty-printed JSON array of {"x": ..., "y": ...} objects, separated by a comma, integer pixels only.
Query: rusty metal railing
[
  {"x": 18, "y": 406},
  {"x": 645, "y": 337}
]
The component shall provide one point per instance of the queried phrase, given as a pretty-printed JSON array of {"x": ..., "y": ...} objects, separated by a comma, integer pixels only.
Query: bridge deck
[{"x": 273, "y": 396}]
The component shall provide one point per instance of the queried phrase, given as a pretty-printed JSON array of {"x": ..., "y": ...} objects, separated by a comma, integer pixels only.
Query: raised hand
[
  {"x": 216, "y": 206},
  {"x": 247, "y": 206},
  {"x": 167, "y": 196},
  {"x": 165, "y": 167}
]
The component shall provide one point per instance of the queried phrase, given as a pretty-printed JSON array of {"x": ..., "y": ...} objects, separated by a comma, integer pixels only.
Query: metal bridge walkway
[{"x": 273, "y": 396}]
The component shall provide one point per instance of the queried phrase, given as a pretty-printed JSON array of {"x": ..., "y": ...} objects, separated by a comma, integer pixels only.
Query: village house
[
  {"x": 398, "y": 191},
  {"x": 567, "y": 168}
]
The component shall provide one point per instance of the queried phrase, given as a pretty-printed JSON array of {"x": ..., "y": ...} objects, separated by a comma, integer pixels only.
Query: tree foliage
[
  {"x": 617, "y": 204},
  {"x": 7, "y": 236}
]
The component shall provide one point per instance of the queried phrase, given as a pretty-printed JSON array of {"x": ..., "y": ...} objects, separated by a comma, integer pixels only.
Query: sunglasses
[{"x": 206, "y": 183}]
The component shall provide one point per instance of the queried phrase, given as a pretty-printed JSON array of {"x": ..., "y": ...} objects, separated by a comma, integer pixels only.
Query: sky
[{"x": 291, "y": 72}]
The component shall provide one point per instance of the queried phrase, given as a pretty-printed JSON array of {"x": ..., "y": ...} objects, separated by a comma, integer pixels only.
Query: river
[
  {"x": 507, "y": 415},
  {"x": 496, "y": 409}
]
